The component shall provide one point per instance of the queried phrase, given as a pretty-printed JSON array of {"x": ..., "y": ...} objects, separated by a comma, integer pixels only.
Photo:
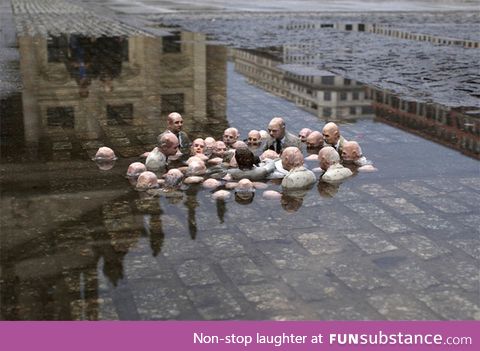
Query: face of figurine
[
  {"x": 229, "y": 137},
  {"x": 303, "y": 134},
  {"x": 276, "y": 130},
  {"x": 175, "y": 123},
  {"x": 254, "y": 138},
  {"x": 198, "y": 146},
  {"x": 219, "y": 149},
  {"x": 349, "y": 154},
  {"x": 171, "y": 148},
  {"x": 330, "y": 135},
  {"x": 314, "y": 140}
]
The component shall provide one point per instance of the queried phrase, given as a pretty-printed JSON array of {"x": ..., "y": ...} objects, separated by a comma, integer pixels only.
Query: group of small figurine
[{"x": 243, "y": 166}]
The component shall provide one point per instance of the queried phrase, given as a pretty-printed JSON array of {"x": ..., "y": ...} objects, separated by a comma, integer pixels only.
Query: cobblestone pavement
[{"x": 402, "y": 243}]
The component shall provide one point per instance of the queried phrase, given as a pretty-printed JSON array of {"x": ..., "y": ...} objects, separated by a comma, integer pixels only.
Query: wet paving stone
[
  {"x": 378, "y": 217},
  {"x": 147, "y": 295},
  {"x": 462, "y": 272},
  {"x": 433, "y": 222},
  {"x": 261, "y": 231},
  {"x": 344, "y": 309},
  {"x": 196, "y": 272},
  {"x": 313, "y": 285},
  {"x": 377, "y": 190},
  {"x": 359, "y": 276},
  {"x": 371, "y": 242},
  {"x": 472, "y": 221},
  {"x": 415, "y": 188},
  {"x": 223, "y": 245},
  {"x": 444, "y": 185},
  {"x": 147, "y": 267},
  {"x": 421, "y": 246},
  {"x": 471, "y": 247},
  {"x": 473, "y": 183},
  {"x": 445, "y": 204},
  {"x": 285, "y": 256},
  {"x": 401, "y": 205},
  {"x": 411, "y": 276},
  {"x": 400, "y": 307},
  {"x": 242, "y": 270},
  {"x": 322, "y": 242},
  {"x": 179, "y": 249},
  {"x": 214, "y": 302},
  {"x": 266, "y": 297},
  {"x": 451, "y": 305},
  {"x": 93, "y": 309}
]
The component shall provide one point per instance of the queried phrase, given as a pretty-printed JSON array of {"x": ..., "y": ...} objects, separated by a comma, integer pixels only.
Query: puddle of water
[{"x": 79, "y": 243}]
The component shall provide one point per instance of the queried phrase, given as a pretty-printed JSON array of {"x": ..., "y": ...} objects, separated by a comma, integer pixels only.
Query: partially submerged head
[
  {"x": 198, "y": 146},
  {"x": 168, "y": 143},
  {"x": 254, "y": 137},
  {"x": 268, "y": 155},
  {"x": 135, "y": 169},
  {"x": 304, "y": 133},
  {"x": 105, "y": 158},
  {"x": 147, "y": 180},
  {"x": 331, "y": 133},
  {"x": 173, "y": 178},
  {"x": 351, "y": 151},
  {"x": 314, "y": 140},
  {"x": 327, "y": 157},
  {"x": 196, "y": 168},
  {"x": 292, "y": 157},
  {"x": 219, "y": 149},
  {"x": 230, "y": 136}
]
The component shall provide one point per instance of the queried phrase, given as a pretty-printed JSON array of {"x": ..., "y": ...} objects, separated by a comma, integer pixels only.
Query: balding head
[
  {"x": 276, "y": 128},
  {"x": 174, "y": 122},
  {"x": 230, "y": 135},
  {"x": 304, "y": 133},
  {"x": 292, "y": 157},
  {"x": 173, "y": 178},
  {"x": 351, "y": 151},
  {"x": 331, "y": 133},
  {"x": 168, "y": 144},
  {"x": 196, "y": 168},
  {"x": 254, "y": 137},
  {"x": 314, "y": 140},
  {"x": 327, "y": 157}
]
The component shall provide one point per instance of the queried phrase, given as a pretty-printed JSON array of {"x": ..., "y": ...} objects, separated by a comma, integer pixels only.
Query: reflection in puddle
[{"x": 80, "y": 243}]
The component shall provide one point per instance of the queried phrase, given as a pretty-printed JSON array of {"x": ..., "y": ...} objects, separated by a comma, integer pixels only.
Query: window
[
  {"x": 172, "y": 102},
  {"x": 355, "y": 95},
  {"x": 63, "y": 116},
  {"x": 343, "y": 96},
  {"x": 120, "y": 114},
  {"x": 328, "y": 80},
  {"x": 327, "y": 95},
  {"x": 327, "y": 112},
  {"x": 347, "y": 81},
  {"x": 171, "y": 43}
]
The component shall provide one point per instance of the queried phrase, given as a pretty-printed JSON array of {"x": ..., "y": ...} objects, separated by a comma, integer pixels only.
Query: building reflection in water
[
  {"x": 63, "y": 218},
  {"x": 289, "y": 73},
  {"x": 285, "y": 72}
]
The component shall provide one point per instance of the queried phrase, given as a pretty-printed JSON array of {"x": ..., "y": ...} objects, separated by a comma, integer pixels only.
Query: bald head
[
  {"x": 292, "y": 157},
  {"x": 230, "y": 135},
  {"x": 331, "y": 133},
  {"x": 328, "y": 156},
  {"x": 168, "y": 144},
  {"x": 174, "y": 122},
  {"x": 173, "y": 177},
  {"x": 254, "y": 137},
  {"x": 314, "y": 140},
  {"x": 304, "y": 133},
  {"x": 276, "y": 128},
  {"x": 351, "y": 151}
]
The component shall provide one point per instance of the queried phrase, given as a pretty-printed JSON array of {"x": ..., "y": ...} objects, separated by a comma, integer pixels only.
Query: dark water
[{"x": 80, "y": 243}]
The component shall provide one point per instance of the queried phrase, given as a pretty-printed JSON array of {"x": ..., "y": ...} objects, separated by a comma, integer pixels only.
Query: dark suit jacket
[{"x": 289, "y": 140}]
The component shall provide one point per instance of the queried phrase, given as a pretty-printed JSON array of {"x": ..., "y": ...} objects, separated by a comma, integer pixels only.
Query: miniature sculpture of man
[
  {"x": 314, "y": 142},
  {"x": 330, "y": 163},
  {"x": 280, "y": 138},
  {"x": 230, "y": 136},
  {"x": 332, "y": 137},
  {"x": 303, "y": 134},
  {"x": 175, "y": 125},
  {"x": 352, "y": 154},
  {"x": 167, "y": 146},
  {"x": 298, "y": 177}
]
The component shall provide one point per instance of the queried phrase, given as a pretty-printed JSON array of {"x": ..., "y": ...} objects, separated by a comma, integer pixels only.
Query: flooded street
[{"x": 79, "y": 243}]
